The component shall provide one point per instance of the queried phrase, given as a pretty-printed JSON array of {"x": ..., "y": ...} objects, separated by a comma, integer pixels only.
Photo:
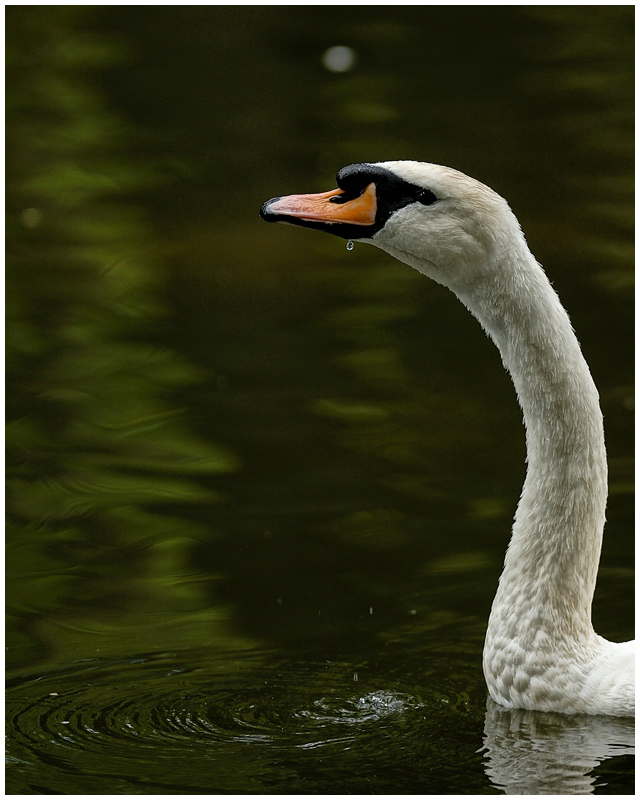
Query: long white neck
[
  {"x": 541, "y": 652},
  {"x": 550, "y": 569}
]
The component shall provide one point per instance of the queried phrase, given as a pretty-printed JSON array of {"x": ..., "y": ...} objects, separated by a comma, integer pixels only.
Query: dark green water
[{"x": 260, "y": 487}]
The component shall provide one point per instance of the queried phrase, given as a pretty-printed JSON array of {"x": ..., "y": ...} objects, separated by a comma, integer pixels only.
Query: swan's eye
[{"x": 426, "y": 197}]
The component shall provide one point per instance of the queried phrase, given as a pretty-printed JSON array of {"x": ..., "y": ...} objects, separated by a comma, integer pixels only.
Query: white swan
[{"x": 541, "y": 652}]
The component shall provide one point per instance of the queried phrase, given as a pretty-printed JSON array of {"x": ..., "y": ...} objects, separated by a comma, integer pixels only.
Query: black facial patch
[{"x": 392, "y": 194}]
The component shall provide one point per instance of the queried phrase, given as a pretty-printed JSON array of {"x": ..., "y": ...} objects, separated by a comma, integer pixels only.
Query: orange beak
[{"x": 326, "y": 207}]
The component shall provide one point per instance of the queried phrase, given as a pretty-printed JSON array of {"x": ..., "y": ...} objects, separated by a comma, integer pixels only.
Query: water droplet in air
[{"x": 350, "y": 245}]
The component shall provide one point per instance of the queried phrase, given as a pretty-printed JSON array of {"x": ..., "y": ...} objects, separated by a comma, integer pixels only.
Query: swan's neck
[
  {"x": 541, "y": 652},
  {"x": 550, "y": 569}
]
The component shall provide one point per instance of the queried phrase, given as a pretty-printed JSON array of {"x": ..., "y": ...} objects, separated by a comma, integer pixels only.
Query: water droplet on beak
[{"x": 350, "y": 245}]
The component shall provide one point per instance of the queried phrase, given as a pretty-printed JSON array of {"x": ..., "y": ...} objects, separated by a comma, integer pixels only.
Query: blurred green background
[{"x": 229, "y": 435}]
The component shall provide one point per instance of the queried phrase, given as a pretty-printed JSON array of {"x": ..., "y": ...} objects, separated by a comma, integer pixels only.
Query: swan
[{"x": 541, "y": 652}]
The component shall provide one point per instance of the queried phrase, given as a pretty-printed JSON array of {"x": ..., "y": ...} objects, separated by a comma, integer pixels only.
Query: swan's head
[{"x": 448, "y": 226}]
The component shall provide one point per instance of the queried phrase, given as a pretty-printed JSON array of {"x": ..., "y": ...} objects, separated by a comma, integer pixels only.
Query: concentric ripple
[{"x": 146, "y": 722}]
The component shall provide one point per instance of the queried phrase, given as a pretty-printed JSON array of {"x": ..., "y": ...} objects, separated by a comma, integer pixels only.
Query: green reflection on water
[{"x": 92, "y": 435}]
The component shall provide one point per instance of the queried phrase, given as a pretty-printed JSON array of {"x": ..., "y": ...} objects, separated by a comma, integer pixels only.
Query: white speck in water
[
  {"x": 339, "y": 59},
  {"x": 355, "y": 677},
  {"x": 350, "y": 245}
]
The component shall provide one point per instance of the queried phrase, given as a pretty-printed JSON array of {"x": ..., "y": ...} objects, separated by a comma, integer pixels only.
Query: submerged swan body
[{"x": 541, "y": 651}]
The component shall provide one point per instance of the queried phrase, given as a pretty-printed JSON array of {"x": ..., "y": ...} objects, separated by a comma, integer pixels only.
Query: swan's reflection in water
[{"x": 530, "y": 752}]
